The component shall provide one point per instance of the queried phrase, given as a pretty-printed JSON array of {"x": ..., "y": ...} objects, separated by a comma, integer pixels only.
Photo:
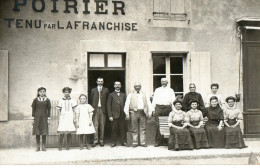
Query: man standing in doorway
[
  {"x": 163, "y": 104},
  {"x": 193, "y": 95},
  {"x": 115, "y": 109},
  {"x": 138, "y": 104},
  {"x": 99, "y": 97}
]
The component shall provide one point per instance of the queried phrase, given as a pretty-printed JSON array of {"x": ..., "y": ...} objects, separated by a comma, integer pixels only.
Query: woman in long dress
[
  {"x": 194, "y": 118},
  {"x": 232, "y": 120},
  {"x": 179, "y": 135},
  {"x": 214, "y": 124},
  {"x": 84, "y": 113}
]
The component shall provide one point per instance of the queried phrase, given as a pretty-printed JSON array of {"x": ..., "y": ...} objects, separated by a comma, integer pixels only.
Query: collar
[
  {"x": 44, "y": 98},
  {"x": 117, "y": 91},
  {"x": 177, "y": 111},
  {"x": 194, "y": 110},
  {"x": 64, "y": 98},
  {"x": 231, "y": 108},
  {"x": 140, "y": 92}
]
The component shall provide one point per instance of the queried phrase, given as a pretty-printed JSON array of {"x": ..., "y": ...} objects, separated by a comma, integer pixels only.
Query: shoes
[
  {"x": 101, "y": 144},
  {"x": 123, "y": 144},
  {"x": 60, "y": 148},
  {"x": 81, "y": 148},
  {"x": 67, "y": 148},
  {"x": 88, "y": 147},
  {"x": 93, "y": 145},
  {"x": 143, "y": 145},
  {"x": 134, "y": 145},
  {"x": 43, "y": 148},
  {"x": 156, "y": 145},
  {"x": 37, "y": 149},
  {"x": 113, "y": 145}
]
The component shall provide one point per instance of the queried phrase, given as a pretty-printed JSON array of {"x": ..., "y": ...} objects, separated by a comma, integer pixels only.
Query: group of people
[{"x": 187, "y": 130}]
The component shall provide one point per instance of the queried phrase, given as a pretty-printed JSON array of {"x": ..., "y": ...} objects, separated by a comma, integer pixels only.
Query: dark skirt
[
  {"x": 199, "y": 136},
  {"x": 216, "y": 138},
  {"x": 179, "y": 138},
  {"x": 233, "y": 136},
  {"x": 40, "y": 126}
]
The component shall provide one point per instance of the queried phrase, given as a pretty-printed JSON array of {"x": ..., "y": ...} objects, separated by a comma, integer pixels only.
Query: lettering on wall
[{"x": 71, "y": 7}]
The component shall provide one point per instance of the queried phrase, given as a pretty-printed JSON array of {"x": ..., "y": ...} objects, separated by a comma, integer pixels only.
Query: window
[
  {"x": 169, "y": 65},
  {"x": 98, "y": 61},
  {"x": 169, "y": 10}
]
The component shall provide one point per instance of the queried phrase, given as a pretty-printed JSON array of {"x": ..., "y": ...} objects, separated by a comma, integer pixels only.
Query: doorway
[{"x": 111, "y": 67}]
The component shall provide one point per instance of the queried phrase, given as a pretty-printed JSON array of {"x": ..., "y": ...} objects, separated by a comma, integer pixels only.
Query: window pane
[
  {"x": 177, "y": 83},
  {"x": 159, "y": 65},
  {"x": 157, "y": 81},
  {"x": 96, "y": 60},
  {"x": 161, "y": 8},
  {"x": 114, "y": 60},
  {"x": 176, "y": 65}
]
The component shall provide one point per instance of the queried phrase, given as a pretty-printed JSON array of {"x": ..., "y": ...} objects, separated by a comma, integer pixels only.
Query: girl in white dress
[
  {"x": 84, "y": 122},
  {"x": 67, "y": 120}
]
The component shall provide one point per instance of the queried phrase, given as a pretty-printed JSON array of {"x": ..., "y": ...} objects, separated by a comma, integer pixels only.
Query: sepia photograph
[{"x": 130, "y": 82}]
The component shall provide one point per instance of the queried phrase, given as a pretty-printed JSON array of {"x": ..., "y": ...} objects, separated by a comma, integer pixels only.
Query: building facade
[{"x": 62, "y": 43}]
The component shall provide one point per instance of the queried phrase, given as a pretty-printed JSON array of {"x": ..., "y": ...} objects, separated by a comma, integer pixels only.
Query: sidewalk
[{"x": 129, "y": 155}]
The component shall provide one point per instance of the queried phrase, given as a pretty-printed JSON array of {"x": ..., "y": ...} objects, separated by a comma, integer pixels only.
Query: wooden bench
[{"x": 164, "y": 127}]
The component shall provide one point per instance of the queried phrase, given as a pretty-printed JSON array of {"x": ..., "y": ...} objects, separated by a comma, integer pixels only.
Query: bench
[{"x": 164, "y": 127}]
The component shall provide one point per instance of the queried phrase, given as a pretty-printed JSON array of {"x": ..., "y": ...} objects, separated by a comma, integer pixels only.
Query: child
[
  {"x": 214, "y": 89},
  {"x": 232, "y": 120},
  {"x": 84, "y": 123},
  {"x": 214, "y": 124},
  {"x": 66, "y": 107},
  {"x": 179, "y": 135},
  {"x": 41, "y": 108},
  {"x": 195, "y": 122}
]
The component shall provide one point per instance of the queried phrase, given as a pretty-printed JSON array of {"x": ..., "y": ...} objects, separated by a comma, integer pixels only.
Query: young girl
[
  {"x": 195, "y": 122},
  {"x": 179, "y": 135},
  {"x": 214, "y": 89},
  {"x": 84, "y": 124},
  {"x": 232, "y": 120},
  {"x": 41, "y": 108},
  {"x": 214, "y": 124},
  {"x": 66, "y": 107}
]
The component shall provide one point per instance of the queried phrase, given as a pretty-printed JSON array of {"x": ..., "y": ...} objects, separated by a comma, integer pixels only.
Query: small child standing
[
  {"x": 66, "y": 107},
  {"x": 84, "y": 123},
  {"x": 41, "y": 109}
]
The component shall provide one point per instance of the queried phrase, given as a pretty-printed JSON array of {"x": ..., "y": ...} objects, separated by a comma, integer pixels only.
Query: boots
[
  {"x": 44, "y": 143},
  {"x": 68, "y": 141},
  {"x": 81, "y": 142},
  {"x": 38, "y": 143},
  {"x": 61, "y": 141}
]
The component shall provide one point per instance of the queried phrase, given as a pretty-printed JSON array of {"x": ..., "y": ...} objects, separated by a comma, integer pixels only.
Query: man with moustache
[
  {"x": 163, "y": 104},
  {"x": 115, "y": 107},
  {"x": 98, "y": 100}
]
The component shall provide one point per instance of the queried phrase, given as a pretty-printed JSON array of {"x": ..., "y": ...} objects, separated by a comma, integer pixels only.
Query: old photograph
[{"x": 129, "y": 82}]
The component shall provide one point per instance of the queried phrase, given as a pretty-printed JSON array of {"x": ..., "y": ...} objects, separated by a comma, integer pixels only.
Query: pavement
[{"x": 129, "y": 155}]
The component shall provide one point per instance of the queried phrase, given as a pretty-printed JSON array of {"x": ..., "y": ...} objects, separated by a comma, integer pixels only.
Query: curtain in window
[
  {"x": 97, "y": 60},
  {"x": 114, "y": 60}
]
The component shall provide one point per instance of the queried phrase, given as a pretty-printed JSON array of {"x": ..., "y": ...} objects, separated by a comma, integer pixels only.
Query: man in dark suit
[
  {"x": 115, "y": 108},
  {"x": 98, "y": 101}
]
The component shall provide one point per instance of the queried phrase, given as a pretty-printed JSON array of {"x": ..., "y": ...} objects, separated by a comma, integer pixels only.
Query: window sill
[{"x": 169, "y": 23}]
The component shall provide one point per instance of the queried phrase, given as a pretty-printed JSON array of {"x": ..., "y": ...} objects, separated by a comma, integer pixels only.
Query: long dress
[
  {"x": 216, "y": 138},
  {"x": 199, "y": 136},
  {"x": 41, "y": 108},
  {"x": 66, "y": 125},
  {"x": 233, "y": 136},
  {"x": 179, "y": 138},
  {"x": 85, "y": 111}
]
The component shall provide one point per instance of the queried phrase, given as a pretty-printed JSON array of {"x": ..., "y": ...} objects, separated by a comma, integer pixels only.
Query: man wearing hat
[{"x": 137, "y": 106}]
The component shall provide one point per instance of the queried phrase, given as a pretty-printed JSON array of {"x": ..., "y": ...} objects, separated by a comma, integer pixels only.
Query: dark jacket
[
  {"x": 95, "y": 97},
  {"x": 192, "y": 95},
  {"x": 115, "y": 104}
]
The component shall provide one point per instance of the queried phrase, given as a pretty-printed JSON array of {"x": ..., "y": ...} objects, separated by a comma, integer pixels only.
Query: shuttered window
[{"x": 169, "y": 10}]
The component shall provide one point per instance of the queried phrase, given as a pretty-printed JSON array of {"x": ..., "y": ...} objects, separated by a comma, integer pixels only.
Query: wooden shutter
[
  {"x": 178, "y": 10},
  {"x": 200, "y": 72},
  {"x": 161, "y": 9},
  {"x": 3, "y": 85}
]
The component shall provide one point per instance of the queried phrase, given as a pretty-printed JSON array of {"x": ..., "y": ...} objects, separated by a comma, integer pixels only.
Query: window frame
[
  {"x": 106, "y": 61},
  {"x": 168, "y": 73}
]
